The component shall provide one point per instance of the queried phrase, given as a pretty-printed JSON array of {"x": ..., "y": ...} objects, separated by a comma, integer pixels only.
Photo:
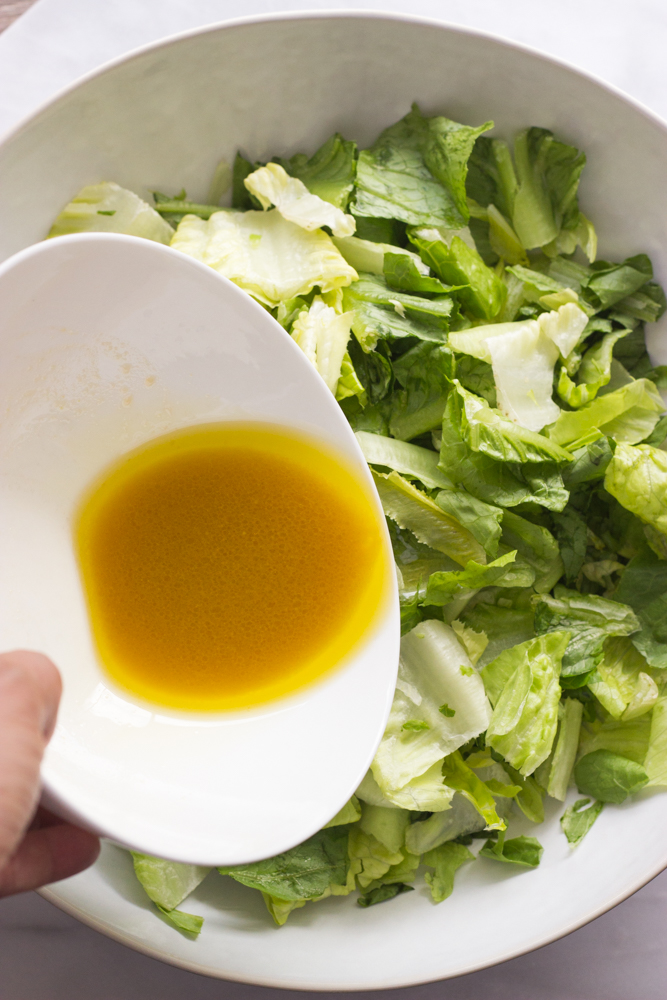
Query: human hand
[{"x": 35, "y": 847}]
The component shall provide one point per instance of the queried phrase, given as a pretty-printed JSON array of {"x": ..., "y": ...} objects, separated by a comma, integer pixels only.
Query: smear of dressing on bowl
[{"x": 227, "y": 565}]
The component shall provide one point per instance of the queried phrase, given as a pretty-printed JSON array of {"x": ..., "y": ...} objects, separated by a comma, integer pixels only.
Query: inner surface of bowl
[{"x": 162, "y": 120}]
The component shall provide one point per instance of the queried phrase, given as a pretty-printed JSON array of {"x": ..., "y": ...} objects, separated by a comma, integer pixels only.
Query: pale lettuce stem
[{"x": 566, "y": 749}]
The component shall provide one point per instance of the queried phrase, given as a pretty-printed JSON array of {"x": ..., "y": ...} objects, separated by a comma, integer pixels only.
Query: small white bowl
[{"x": 106, "y": 342}]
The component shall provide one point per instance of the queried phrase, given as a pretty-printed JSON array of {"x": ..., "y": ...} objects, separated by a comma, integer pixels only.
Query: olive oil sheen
[{"x": 227, "y": 565}]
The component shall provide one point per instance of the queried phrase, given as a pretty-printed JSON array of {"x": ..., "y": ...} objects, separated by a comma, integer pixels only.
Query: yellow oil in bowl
[{"x": 227, "y": 565}]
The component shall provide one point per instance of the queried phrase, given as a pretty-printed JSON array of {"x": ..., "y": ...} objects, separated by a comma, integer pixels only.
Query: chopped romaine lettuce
[
  {"x": 445, "y": 860},
  {"x": 577, "y": 819},
  {"x": 108, "y": 208},
  {"x": 329, "y": 173},
  {"x": 272, "y": 185},
  {"x": 434, "y": 669},
  {"x": 608, "y": 777},
  {"x": 264, "y": 254},
  {"x": 522, "y": 684},
  {"x": 322, "y": 334},
  {"x": 414, "y": 510}
]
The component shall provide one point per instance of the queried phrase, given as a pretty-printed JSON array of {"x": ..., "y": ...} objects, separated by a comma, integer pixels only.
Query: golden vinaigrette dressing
[{"x": 226, "y": 565}]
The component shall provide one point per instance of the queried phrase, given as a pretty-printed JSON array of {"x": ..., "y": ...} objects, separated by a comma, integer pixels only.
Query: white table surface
[{"x": 46, "y": 955}]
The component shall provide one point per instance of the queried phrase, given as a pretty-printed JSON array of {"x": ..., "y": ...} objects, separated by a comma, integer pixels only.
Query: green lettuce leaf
[
  {"x": 383, "y": 893},
  {"x": 594, "y": 372},
  {"x": 368, "y": 376},
  {"x": 589, "y": 619},
  {"x": 628, "y": 739},
  {"x": 424, "y": 793},
  {"x": 621, "y": 683},
  {"x": 446, "y": 860},
  {"x": 272, "y": 185},
  {"x": 610, "y": 283},
  {"x": 548, "y": 173},
  {"x": 167, "y": 883},
  {"x": 350, "y": 813},
  {"x": 329, "y": 173},
  {"x": 386, "y": 825},
  {"x": 302, "y": 873},
  {"x": 463, "y": 779},
  {"x": 444, "y": 586},
  {"x": 408, "y": 459},
  {"x": 577, "y": 819},
  {"x": 637, "y": 477},
  {"x": 644, "y": 587},
  {"x": 655, "y": 762},
  {"x": 524, "y": 851},
  {"x": 565, "y": 750},
  {"x": 482, "y": 292},
  {"x": 628, "y": 414},
  {"x": 536, "y": 546},
  {"x": 401, "y": 272},
  {"x": 372, "y": 323},
  {"x": 504, "y": 627},
  {"x": 571, "y": 532},
  {"x": 108, "y": 208},
  {"x": 370, "y": 858},
  {"x": 434, "y": 670},
  {"x": 425, "y": 372},
  {"x": 483, "y": 520},
  {"x": 416, "y": 171},
  {"x": 415, "y": 562},
  {"x": 487, "y": 431},
  {"x": 372, "y": 288},
  {"x": 608, "y": 777},
  {"x": 264, "y": 254},
  {"x": 323, "y": 334},
  {"x": 522, "y": 684},
  {"x": 369, "y": 256},
  {"x": 414, "y": 510},
  {"x": 189, "y": 923},
  {"x": 590, "y": 462}
]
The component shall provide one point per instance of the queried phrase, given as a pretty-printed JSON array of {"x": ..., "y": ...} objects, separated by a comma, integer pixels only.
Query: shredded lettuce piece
[
  {"x": 263, "y": 253},
  {"x": 522, "y": 683},
  {"x": 386, "y": 825},
  {"x": 565, "y": 750},
  {"x": 621, "y": 683},
  {"x": 425, "y": 793},
  {"x": 480, "y": 788},
  {"x": 487, "y": 431},
  {"x": 322, "y": 334},
  {"x": 481, "y": 290},
  {"x": 628, "y": 415},
  {"x": 167, "y": 883},
  {"x": 445, "y": 585},
  {"x": 577, "y": 819},
  {"x": 524, "y": 851},
  {"x": 589, "y": 619},
  {"x": 350, "y": 813},
  {"x": 414, "y": 510},
  {"x": 365, "y": 255},
  {"x": 305, "y": 872},
  {"x": 608, "y": 777},
  {"x": 371, "y": 859},
  {"x": 272, "y": 185},
  {"x": 329, "y": 173},
  {"x": 628, "y": 739},
  {"x": 408, "y": 459},
  {"x": 644, "y": 587},
  {"x": 434, "y": 669},
  {"x": 109, "y": 208},
  {"x": 445, "y": 860},
  {"x": 655, "y": 762},
  {"x": 416, "y": 170},
  {"x": 637, "y": 477}
]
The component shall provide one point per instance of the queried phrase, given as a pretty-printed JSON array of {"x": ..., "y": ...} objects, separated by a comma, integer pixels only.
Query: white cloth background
[{"x": 46, "y": 955}]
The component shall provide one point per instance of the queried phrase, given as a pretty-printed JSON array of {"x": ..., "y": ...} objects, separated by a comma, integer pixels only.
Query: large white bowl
[{"x": 162, "y": 118}]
